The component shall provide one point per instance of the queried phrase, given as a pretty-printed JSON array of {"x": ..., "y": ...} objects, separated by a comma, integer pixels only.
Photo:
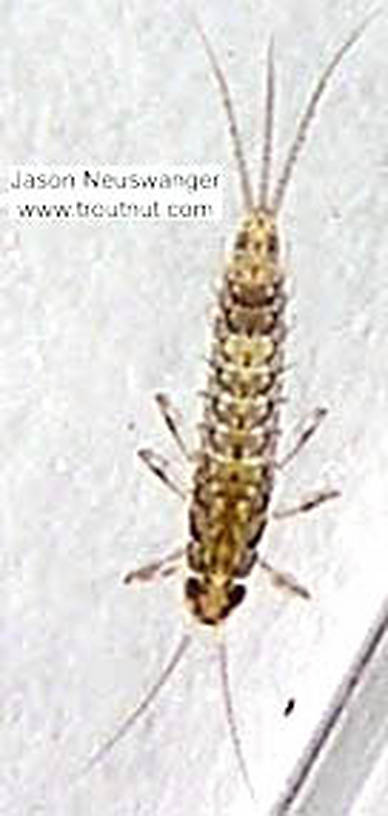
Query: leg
[
  {"x": 157, "y": 569},
  {"x": 158, "y": 465},
  {"x": 172, "y": 420},
  {"x": 304, "y": 435},
  {"x": 308, "y": 503},
  {"x": 283, "y": 580}
]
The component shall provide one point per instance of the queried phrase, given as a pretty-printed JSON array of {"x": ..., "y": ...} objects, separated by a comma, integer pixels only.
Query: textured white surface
[
  {"x": 94, "y": 319},
  {"x": 341, "y": 769}
]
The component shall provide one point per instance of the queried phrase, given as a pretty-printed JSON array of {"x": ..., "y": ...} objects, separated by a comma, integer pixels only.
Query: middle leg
[{"x": 307, "y": 503}]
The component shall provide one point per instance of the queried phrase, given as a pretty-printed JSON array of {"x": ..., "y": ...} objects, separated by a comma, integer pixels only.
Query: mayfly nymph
[{"x": 235, "y": 462}]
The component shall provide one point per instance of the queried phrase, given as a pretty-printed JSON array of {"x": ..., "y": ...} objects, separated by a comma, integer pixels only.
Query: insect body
[
  {"x": 235, "y": 471},
  {"x": 234, "y": 476},
  {"x": 236, "y": 458}
]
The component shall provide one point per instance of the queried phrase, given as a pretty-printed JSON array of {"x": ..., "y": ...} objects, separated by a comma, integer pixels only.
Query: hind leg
[
  {"x": 158, "y": 465},
  {"x": 311, "y": 425},
  {"x": 173, "y": 421}
]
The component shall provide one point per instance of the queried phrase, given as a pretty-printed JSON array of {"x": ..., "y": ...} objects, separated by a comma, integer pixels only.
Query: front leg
[
  {"x": 283, "y": 580},
  {"x": 161, "y": 568}
]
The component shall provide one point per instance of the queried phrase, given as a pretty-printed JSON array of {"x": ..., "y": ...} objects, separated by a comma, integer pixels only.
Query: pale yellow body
[{"x": 235, "y": 463}]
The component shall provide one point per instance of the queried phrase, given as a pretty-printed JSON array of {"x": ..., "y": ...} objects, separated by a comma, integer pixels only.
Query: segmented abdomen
[{"x": 235, "y": 464}]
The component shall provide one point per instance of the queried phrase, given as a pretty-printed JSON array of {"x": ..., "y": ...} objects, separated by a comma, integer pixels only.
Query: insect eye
[
  {"x": 192, "y": 588},
  {"x": 236, "y": 595}
]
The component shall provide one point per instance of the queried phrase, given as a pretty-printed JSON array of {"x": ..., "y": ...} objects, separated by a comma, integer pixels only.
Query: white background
[{"x": 95, "y": 318}]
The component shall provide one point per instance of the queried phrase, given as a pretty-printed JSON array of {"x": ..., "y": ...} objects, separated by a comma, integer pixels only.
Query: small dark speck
[
  {"x": 289, "y": 707},
  {"x": 131, "y": 426}
]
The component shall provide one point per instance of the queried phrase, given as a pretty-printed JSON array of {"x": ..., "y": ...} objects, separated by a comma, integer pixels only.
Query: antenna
[
  {"x": 231, "y": 719},
  {"x": 143, "y": 705}
]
